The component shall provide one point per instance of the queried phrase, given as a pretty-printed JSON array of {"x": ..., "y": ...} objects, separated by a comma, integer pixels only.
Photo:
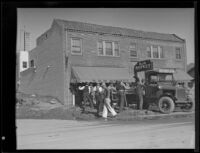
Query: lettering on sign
[{"x": 143, "y": 66}]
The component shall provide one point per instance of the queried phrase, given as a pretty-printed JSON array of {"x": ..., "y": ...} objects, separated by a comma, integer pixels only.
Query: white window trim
[
  {"x": 180, "y": 54},
  {"x": 159, "y": 53},
  {"x": 135, "y": 50},
  {"x": 80, "y": 47},
  {"x": 104, "y": 48}
]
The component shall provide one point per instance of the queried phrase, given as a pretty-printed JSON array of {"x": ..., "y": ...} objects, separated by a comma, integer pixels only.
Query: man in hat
[
  {"x": 86, "y": 96},
  {"x": 140, "y": 92},
  {"x": 99, "y": 95},
  {"x": 121, "y": 90}
]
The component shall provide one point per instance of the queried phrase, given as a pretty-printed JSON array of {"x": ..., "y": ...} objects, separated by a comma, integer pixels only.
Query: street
[{"x": 69, "y": 134}]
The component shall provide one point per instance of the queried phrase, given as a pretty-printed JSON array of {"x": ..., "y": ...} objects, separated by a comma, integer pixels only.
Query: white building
[{"x": 23, "y": 60}]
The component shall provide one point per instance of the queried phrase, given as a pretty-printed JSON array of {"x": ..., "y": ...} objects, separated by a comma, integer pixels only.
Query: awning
[
  {"x": 97, "y": 74},
  {"x": 180, "y": 75}
]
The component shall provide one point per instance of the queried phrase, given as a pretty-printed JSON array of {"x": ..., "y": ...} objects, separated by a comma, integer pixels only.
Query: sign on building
[{"x": 143, "y": 66}]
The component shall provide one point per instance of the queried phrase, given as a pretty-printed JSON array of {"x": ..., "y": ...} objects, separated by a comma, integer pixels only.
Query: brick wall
[
  {"x": 90, "y": 56},
  {"x": 49, "y": 76}
]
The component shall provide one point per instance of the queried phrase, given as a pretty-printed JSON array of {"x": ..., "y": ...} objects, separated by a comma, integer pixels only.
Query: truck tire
[
  {"x": 189, "y": 106},
  {"x": 166, "y": 105}
]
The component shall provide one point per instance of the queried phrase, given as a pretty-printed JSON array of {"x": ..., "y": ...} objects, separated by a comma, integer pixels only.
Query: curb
[{"x": 157, "y": 116}]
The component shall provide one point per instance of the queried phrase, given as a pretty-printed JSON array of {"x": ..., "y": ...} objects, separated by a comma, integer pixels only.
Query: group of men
[{"x": 99, "y": 95}]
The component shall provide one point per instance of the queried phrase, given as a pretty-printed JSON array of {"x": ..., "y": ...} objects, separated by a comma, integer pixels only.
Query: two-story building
[{"x": 73, "y": 51}]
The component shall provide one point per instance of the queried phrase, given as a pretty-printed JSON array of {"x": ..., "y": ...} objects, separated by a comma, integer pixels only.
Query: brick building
[{"x": 74, "y": 51}]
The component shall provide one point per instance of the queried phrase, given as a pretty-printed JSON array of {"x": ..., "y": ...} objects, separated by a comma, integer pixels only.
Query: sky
[{"x": 179, "y": 21}]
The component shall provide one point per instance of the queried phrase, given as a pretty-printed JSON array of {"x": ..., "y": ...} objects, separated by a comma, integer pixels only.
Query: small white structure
[{"x": 23, "y": 60}]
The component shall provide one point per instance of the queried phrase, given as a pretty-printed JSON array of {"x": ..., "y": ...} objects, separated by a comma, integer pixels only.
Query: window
[
  {"x": 133, "y": 51},
  {"x": 116, "y": 49},
  {"x": 148, "y": 52},
  {"x": 76, "y": 46},
  {"x": 178, "y": 53},
  {"x": 161, "y": 52},
  {"x": 32, "y": 63},
  {"x": 100, "y": 48},
  {"x": 155, "y": 52},
  {"x": 24, "y": 64},
  {"x": 109, "y": 48}
]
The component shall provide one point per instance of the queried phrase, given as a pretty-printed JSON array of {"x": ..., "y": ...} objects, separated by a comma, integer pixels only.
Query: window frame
[
  {"x": 155, "y": 46},
  {"x": 98, "y": 48},
  {"x": 32, "y": 63},
  {"x": 180, "y": 53},
  {"x": 81, "y": 51},
  {"x": 133, "y": 43},
  {"x": 104, "y": 48},
  {"x": 26, "y": 64},
  {"x": 111, "y": 48},
  {"x": 149, "y": 51}
]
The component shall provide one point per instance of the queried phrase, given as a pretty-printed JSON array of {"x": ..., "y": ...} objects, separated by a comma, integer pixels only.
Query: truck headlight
[{"x": 159, "y": 87}]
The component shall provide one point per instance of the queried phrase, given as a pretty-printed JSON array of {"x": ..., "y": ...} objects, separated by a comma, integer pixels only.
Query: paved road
[{"x": 65, "y": 134}]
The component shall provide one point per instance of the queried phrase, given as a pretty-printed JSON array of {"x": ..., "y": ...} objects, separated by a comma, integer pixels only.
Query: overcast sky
[{"x": 178, "y": 21}]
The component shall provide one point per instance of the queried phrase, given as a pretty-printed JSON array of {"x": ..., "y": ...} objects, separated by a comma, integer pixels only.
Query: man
[
  {"x": 121, "y": 90},
  {"x": 99, "y": 95},
  {"x": 139, "y": 91},
  {"x": 86, "y": 96},
  {"x": 107, "y": 101}
]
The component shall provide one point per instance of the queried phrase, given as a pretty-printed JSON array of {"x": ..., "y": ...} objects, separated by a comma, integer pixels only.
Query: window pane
[
  {"x": 100, "y": 48},
  {"x": 24, "y": 64},
  {"x": 76, "y": 50},
  {"x": 133, "y": 51},
  {"x": 155, "y": 52},
  {"x": 178, "y": 53},
  {"x": 76, "y": 42},
  {"x": 116, "y": 49},
  {"x": 108, "y": 48},
  {"x": 148, "y": 52},
  {"x": 133, "y": 46},
  {"x": 76, "y": 46},
  {"x": 161, "y": 52},
  {"x": 32, "y": 63}
]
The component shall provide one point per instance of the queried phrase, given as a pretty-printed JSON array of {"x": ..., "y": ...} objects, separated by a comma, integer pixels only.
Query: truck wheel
[
  {"x": 166, "y": 105},
  {"x": 189, "y": 106}
]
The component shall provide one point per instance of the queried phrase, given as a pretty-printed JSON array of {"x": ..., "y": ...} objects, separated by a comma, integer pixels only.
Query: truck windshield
[
  {"x": 165, "y": 77},
  {"x": 161, "y": 77}
]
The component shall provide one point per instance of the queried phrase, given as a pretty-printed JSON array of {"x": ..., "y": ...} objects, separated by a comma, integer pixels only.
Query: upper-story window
[
  {"x": 133, "y": 50},
  {"x": 155, "y": 52},
  {"x": 116, "y": 49},
  {"x": 108, "y": 48},
  {"x": 76, "y": 46},
  {"x": 148, "y": 51},
  {"x": 24, "y": 64},
  {"x": 162, "y": 55},
  {"x": 100, "y": 48},
  {"x": 32, "y": 64},
  {"x": 178, "y": 53}
]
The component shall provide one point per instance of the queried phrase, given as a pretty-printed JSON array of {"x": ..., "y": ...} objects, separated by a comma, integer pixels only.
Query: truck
[{"x": 160, "y": 89}]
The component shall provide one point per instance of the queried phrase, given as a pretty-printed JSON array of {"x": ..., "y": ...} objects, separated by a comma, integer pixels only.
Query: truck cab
[{"x": 162, "y": 90}]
